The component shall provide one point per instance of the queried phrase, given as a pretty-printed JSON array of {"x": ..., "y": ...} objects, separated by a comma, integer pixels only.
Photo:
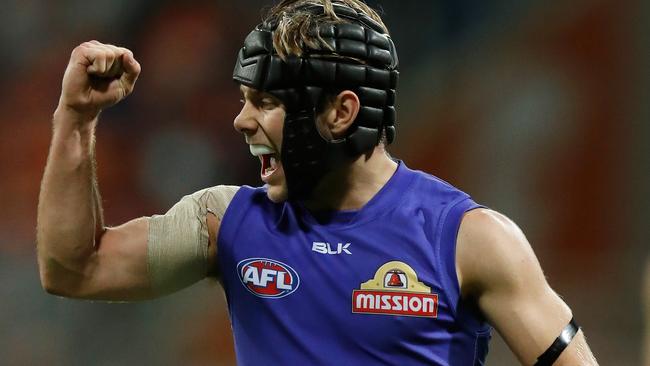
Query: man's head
[{"x": 331, "y": 68}]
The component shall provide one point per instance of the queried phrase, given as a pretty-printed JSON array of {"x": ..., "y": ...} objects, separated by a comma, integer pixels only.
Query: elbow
[
  {"x": 45, "y": 273},
  {"x": 60, "y": 276},
  {"x": 49, "y": 282},
  {"x": 46, "y": 267},
  {"x": 52, "y": 289},
  {"x": 55, "y": 279}
]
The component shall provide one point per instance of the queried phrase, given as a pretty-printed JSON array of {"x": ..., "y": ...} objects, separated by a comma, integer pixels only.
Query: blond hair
[{"x": 292, "y": 35}]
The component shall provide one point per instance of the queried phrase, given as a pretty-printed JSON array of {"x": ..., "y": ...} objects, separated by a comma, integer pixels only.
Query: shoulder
[
  {"x": 485, "y": 227},
  {"x": 492, "y": 252}
]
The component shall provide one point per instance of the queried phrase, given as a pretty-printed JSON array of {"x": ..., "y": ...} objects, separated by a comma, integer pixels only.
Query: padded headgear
[{"x": 361, "y": 57}]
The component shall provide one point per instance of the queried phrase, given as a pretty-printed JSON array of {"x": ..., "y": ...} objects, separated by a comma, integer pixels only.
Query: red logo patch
[
  {"x": 395, "y": 290},
  {"x": 267, "y": 277}
]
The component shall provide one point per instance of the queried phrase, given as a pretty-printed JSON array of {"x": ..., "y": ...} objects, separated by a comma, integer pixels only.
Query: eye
[{"x": 268, "y": 103}]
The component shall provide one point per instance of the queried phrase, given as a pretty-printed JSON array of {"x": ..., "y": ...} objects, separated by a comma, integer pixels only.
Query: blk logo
[{"x": 327, "y": 248}]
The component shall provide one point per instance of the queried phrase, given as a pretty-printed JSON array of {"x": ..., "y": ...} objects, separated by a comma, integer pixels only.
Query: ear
[{"x": 343, "y": 113}]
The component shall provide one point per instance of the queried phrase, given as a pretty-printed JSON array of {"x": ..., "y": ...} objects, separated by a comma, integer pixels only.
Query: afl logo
[{"x": 267, "y": 277}]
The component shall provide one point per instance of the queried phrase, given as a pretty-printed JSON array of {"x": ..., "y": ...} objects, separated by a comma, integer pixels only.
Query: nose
[{"x": 245, "y": 121}]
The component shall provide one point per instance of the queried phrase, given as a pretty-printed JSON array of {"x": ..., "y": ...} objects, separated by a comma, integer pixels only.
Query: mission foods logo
[
  {"x": 267, "y": 277},
  {"x": 395, "y": 290}
]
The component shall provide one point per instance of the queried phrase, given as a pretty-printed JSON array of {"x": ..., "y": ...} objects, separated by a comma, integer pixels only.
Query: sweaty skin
[
  {"x": 498, "y": 270},
  {"x": 80, "y": 257}
]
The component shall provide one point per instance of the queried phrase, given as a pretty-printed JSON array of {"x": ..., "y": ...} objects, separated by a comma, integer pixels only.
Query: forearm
[{"x": 70, "y": 218}]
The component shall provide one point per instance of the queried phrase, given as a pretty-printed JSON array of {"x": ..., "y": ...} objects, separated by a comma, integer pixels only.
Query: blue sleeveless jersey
[{"x": 376, "y": 286}]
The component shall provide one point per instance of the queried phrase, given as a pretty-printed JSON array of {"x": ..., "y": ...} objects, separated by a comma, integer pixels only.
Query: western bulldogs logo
[
  {"x": 267, "y": 277},
  {"x": 395, "y": 290}
]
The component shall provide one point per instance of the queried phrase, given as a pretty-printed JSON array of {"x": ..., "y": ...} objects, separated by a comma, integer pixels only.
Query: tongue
[{"x": 269, "y": 164}]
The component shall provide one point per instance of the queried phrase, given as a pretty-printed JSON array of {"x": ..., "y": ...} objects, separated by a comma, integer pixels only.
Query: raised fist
[{"x": 98, "y": 76}]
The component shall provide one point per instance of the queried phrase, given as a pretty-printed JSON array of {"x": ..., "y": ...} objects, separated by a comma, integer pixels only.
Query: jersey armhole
[
  {"x": 232, "y": 217},
  {"x": 446, "y": 247}
]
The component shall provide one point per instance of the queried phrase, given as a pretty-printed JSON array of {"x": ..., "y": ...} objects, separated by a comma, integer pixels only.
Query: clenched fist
[{"x": 98, "y": 76}]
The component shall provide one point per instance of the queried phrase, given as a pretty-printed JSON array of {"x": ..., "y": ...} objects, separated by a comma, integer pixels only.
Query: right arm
[{"x": 78, "y": 255}]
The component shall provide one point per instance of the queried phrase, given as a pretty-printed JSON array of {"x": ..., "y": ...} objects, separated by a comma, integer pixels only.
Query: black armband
[{"x": 553, "y": 352}]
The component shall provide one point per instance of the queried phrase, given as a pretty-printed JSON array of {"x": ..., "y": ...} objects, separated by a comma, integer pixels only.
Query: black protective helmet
[{"x": 361, "y": 57}]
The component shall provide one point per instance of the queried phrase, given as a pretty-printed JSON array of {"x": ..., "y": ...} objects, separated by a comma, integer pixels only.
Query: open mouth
[
  {"x": 269, "y": 164},
  {"x": 268, "y": 157}
]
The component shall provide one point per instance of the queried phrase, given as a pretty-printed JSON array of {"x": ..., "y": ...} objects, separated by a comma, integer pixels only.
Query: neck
[{"x": 354, "y": 184}]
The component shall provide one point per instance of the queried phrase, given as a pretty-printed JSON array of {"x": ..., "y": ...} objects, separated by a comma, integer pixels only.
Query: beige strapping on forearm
[{"x": 177, "y": 248}]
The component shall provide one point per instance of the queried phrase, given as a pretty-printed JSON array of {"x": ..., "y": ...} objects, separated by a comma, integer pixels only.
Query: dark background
[{"x": 539, "y": 109}]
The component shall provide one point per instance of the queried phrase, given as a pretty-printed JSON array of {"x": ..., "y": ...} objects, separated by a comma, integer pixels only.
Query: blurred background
[{"x": 537, "y": 108}]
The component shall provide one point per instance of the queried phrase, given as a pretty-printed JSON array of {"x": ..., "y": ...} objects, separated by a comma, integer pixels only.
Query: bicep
[
  {"x": 154, "y": 256},
  {"x": 529, "y": 319},
  {"x": 117, "y": 270},
  {"x": 495, "y": 259},
  {"x": 151, "y": 257}
]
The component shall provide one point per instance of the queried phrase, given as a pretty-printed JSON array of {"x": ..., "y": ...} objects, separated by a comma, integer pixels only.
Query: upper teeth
[{"x": 258, "y": 150}]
